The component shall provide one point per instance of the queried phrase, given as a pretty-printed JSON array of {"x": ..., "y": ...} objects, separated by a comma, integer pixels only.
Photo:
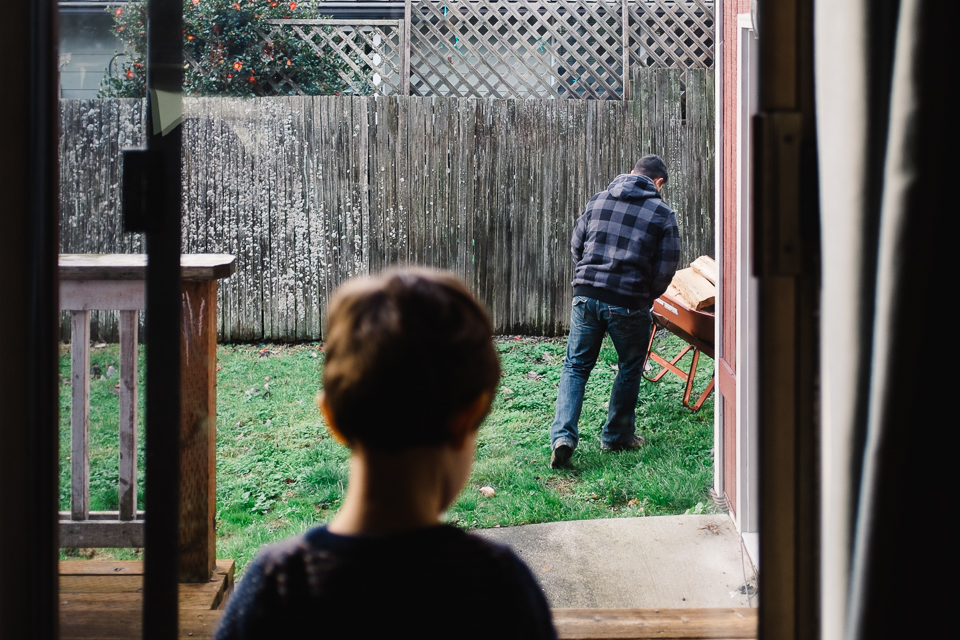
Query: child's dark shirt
[{"x": 438, "y": 582}]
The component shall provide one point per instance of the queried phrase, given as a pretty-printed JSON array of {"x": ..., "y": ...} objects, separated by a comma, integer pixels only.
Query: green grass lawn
[{"x": 278, "y": 471}]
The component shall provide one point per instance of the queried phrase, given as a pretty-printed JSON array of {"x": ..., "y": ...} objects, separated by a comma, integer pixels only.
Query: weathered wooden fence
[{"x": 308, "y": 191}]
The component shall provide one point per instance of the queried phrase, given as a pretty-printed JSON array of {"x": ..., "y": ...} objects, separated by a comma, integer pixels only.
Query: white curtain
[{"x": 883, "y": 100}]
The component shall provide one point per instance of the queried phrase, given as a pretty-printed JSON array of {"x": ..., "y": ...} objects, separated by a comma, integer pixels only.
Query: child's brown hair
[{"x": 405, "y": 351}]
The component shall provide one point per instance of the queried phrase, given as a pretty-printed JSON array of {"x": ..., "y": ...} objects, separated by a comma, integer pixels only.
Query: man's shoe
[
  {"x": 635, "y": 442},
  {"x": 560, "y": 457}
]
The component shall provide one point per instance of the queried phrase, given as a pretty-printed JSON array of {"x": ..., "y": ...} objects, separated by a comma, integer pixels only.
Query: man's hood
[{"x": 632, "y": 187}]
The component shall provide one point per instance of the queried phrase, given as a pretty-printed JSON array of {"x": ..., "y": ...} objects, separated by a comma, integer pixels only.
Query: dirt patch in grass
[{"x": 560, "y": 485}]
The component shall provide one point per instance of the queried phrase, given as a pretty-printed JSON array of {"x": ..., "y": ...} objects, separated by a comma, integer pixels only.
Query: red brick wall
[{"x": 731, "y": 9}]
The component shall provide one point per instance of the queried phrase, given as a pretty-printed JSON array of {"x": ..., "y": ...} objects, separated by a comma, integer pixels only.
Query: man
[{"x": 626, "y": 246}]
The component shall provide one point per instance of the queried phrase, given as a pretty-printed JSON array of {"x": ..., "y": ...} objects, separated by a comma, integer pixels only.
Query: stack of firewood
[{"x": 695, "y": 286}]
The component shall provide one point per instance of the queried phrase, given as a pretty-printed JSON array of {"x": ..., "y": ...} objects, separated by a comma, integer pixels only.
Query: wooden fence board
[
  {"x": 309, "y": 191},
  {"x": 506, "y": 181},
  {"x": 313, "y": 293}
]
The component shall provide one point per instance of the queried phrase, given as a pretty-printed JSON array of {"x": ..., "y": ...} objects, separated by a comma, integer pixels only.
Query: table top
[{"x": 133, "y": 266}]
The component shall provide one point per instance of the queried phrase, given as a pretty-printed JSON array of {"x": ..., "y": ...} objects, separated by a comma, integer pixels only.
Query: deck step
[
  {"x": 102, "y": 600},
  {"x": 118, "y": 586},
  {"x": 127, "y": 625},
  {"x": 572, "y": 624},
  {"x": 609, "y": 624}
]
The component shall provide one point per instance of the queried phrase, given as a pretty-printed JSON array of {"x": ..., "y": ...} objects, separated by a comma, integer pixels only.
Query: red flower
[
  {"x": 251, "y": 79},
  {"x": 196, "y": 1},
  {"x": 273, "y": 4},
  {"x": 236, "y": 5},
  {"x": 129, "y": 74},
  {"x": 119, "y": 11},
  {"x": 237, "y": 65},
  {"x": 293, "y": 5},
  {"x": 190, "y": 38},
  {"x": 229, "y": 75}
]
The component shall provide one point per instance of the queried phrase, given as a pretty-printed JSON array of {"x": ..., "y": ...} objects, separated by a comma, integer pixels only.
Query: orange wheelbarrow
[{"x": 696, "y": 328}]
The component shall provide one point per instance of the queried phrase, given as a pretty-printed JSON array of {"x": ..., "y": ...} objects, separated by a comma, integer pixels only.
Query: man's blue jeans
[{"x": 630, "y": 331}]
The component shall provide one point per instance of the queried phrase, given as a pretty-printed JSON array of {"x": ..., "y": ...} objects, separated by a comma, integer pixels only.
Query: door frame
[{"x": 747, "y": 318}]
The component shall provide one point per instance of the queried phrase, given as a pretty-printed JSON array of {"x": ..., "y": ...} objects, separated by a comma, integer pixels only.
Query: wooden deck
[
  {"x": 102, "y": 600},
  {"x": 610, "y": 624}
]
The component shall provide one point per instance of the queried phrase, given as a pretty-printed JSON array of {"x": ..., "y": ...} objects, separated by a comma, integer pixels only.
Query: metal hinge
[{"x": 778, "y": 171}]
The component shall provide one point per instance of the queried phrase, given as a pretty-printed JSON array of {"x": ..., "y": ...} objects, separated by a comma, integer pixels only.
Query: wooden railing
[{"x": 105, "y": 282}]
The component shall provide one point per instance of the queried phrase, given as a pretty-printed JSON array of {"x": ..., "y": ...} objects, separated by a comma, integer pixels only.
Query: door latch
[{"x": 142, "y": 190}]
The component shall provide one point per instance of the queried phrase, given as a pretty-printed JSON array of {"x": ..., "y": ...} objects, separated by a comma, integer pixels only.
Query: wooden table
[{"x": 117, "y": 281}]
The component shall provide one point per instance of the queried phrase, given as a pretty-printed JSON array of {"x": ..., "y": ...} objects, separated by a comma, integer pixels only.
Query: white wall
[{"x": 87, "y": 43}]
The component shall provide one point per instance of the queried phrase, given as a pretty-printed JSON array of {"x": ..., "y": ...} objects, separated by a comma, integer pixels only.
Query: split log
[
  {"x": 694, "y": 289},
  {"x": 706, "y": 267},
  {"x": 672, "y": 292}
]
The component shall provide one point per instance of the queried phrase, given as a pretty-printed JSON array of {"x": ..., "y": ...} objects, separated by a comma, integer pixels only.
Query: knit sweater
[
  {"x": 437, "y": 582},
  {"x": 626, "y": 244}
]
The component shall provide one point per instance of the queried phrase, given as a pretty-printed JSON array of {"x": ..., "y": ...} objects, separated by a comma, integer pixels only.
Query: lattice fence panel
[
  {"x": 517, "y": 49},
  {"x": 672, "y": 33},
  {"x": 372, "y": 50},
  {"x": 511, "y": 48}
]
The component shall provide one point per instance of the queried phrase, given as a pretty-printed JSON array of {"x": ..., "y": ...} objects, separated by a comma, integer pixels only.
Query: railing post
[
  {"x": 129, "y": 321},
  {"x": 80, "y": 415},
  {"x": 198, "y": 430}
]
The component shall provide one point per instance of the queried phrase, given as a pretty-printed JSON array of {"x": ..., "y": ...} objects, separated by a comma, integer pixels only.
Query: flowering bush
[
  {"x": 225, "y": 52},
  {"x": 131, "y": 79}
]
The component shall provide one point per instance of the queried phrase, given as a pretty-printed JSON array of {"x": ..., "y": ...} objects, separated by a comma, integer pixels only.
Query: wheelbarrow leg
[
  {"x": 666, "y": 365},
  {"x": 687, "y": 376},
  {"x": 690, "y": 376},
  {"x": 703, "y": 396}
]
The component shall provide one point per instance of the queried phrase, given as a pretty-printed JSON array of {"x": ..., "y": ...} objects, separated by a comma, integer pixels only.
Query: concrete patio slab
[{"x": 664, "y": 561}]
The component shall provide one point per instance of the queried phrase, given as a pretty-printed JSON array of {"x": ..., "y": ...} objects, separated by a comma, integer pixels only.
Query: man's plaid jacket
[{"x": 626, "y": 244}]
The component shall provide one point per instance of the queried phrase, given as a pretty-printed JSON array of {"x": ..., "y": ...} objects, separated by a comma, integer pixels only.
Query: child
[{"x": 409, "y": 376}]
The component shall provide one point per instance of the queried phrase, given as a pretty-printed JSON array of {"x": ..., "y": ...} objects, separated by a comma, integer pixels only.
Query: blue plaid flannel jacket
[{"x": 626, "y": 244}]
